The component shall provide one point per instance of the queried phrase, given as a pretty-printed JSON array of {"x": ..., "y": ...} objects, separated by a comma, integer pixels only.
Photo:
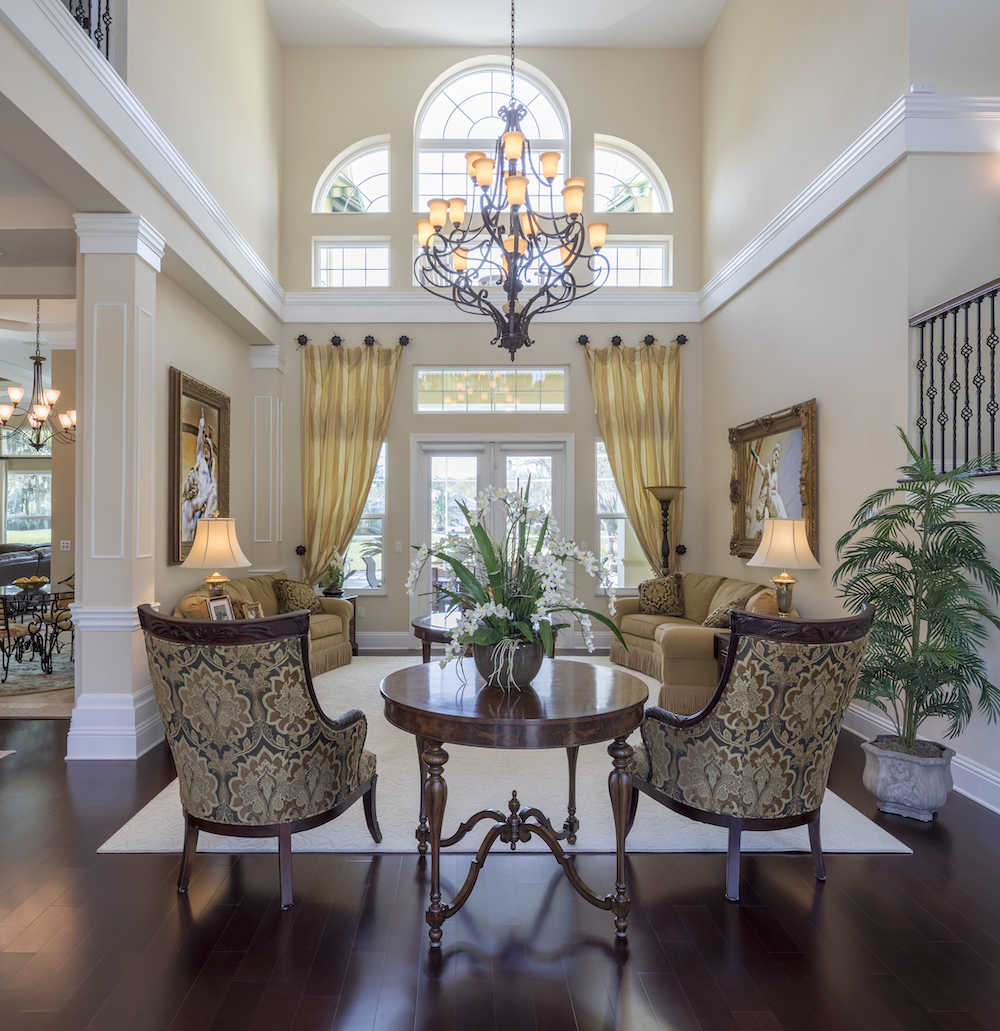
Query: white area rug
[{"x": 480, "y": 778}]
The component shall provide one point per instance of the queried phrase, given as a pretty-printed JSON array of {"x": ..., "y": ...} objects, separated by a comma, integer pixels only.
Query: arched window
[
  {"x": 626, "y": 179},
  {"x": 357, "y": 180},
  {"x": 458, "y": 113}
]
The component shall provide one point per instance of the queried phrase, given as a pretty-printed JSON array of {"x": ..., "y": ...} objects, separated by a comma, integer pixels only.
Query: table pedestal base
[{"x": 519, "y": 825}]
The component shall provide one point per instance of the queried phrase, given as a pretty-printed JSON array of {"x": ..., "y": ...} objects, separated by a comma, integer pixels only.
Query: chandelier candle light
[
  {"x": 514, "y": 247},
  {"x": 35, "y": 418}
]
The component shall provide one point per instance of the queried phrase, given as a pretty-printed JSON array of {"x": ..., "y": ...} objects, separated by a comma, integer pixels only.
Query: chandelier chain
[{"x": 512, "y": 50}]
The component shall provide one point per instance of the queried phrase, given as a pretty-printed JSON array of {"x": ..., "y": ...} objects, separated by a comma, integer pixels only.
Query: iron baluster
[
  {"x": 979, "y": 379},
  {"x": 991, "y": 342},
  {"x": 931, "y": 393},
  {"x": 966, "y": 355},
  {"x": 942, "y": 360},
  {"x": 921, "y": 367}
]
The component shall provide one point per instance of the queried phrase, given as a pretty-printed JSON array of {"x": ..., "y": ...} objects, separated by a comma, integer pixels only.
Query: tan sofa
[
  {"x": 678, "y": 650},
  {"x": 329, "y": 633}
]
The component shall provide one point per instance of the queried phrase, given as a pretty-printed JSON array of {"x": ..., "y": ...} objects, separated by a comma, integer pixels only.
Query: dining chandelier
[
  {"x": 35, "y": 420},
  {"x": 539, "y": 262}
]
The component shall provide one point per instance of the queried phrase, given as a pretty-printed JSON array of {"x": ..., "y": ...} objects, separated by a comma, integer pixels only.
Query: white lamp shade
[
  {"x": 784, "y": 545},
  {"x": 215, "y": 546}
]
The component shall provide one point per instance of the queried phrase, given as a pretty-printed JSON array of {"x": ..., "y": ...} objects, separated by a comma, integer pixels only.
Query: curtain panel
[
  {"x": 637, "y": 400},
  {"x": 346, "y": 400}
]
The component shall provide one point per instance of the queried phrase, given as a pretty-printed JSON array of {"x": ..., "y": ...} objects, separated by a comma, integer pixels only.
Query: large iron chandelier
[
  {"x": 35, "y": 420},
  {"x": 538, "y": 261}
]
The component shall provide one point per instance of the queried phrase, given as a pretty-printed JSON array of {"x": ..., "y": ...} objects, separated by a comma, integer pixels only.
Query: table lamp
[
  {"x": 665, "y": 495},
  {"x": 784, "y": 543},
  {"x": 215, "y": 545}
]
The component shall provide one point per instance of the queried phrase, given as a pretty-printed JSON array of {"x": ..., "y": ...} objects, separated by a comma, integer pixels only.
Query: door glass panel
[
  {"x": 454, "y": 478},
  {"x": 29, "y": 507},
  {"x": 539, "y": 469}
]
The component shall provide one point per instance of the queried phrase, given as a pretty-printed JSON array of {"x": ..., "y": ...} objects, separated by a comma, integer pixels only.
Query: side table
[{"x": 351, "y": 632}]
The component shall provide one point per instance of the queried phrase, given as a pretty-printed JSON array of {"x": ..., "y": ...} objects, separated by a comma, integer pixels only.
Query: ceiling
[{"x": 555, "y": 23}]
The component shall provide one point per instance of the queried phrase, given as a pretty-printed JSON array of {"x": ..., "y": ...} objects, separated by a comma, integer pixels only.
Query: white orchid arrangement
[
  {"x": 515, "y": 589},
  {"x": 336, "y": 572}
]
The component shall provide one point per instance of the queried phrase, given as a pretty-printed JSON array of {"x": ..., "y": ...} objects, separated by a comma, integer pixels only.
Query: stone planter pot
[
  {"x": 333, "y": 592},
  {"x": 907, "y": 785},
  {"x": 515, "y": 674}
]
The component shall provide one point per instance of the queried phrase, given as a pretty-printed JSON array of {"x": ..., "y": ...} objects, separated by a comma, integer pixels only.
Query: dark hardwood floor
[{"x": 104, "y": 942}]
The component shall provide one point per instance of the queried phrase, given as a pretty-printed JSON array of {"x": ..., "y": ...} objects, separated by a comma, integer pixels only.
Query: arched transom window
[
  {"x": 357, "y": 180},
  {"x": 459, "y": 114},
  {"x": 626, "y": 179}
]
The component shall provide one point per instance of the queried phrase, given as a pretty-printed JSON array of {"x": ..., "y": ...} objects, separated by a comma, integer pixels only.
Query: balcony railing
[
  {"x": 94, "y": 17},
  {"x": 956, "y": 367}
]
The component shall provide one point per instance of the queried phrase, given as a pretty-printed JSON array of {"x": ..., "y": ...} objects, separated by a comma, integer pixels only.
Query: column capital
[
  {"x": 267, "y": 356},
  {"x": 115, "y": 233}
]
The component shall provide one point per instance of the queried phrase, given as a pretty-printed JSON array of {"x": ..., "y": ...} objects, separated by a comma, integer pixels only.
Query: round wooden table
[
  {"x": 569, "y": 704},
  {"x": 434, "y": 629}
]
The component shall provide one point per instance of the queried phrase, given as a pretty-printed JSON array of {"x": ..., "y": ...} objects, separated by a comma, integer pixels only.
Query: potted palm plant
[
  {"x": 513, "y": 593},
  {"x": 925, "y": 568}
]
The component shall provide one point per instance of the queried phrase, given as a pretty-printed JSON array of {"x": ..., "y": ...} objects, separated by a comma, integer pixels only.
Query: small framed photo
[
  {"x": 220, "y": 608},
  {"x": 252, "y": 610}
]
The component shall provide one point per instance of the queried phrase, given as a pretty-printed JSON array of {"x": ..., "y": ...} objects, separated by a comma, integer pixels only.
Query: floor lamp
[{"x": 665, "y": 495}]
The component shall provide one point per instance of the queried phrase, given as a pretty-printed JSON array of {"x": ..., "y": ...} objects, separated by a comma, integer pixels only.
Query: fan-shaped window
[
  {"x": 459, "y": 114},
  {"x": 357, "y": 180},
  {"x": 626, "y": 179}
]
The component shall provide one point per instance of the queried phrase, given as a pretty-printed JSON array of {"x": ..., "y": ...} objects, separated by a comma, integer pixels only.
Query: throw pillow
[
  {"x": 663, "y": 596},
  {"x": 719, "y": 618},
  {"x": 293, "y": 595}
]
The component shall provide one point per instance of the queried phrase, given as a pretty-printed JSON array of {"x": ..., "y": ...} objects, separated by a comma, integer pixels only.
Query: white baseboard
[
  {"x": 114, "y": 726},
  {"x": 972, "y": 779}
]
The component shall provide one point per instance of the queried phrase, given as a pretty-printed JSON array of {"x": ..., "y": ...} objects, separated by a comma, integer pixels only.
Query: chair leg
[
  {"x": 370, "y": 815},
  {"x": 633, "y": 805},
  {"x": 187, "y": 858},
  {"x": 733, "y": 861},
  {"x": 285, "y": 864},
  {"x": 817, "y": 850}
]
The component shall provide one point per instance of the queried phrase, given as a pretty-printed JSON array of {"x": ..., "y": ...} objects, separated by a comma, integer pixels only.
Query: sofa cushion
[
  {"x": 293, "y": 595},
  {"x": 324, "y": 624},
  {"x": 732, "y": 590},
  {"x": 719, "y": 617},
  {"x": 261, "y": 590},
  {"x": 646, "y": 625},
  {"x": 662, "y": 596},
  {"x": 699, "y": 590}
]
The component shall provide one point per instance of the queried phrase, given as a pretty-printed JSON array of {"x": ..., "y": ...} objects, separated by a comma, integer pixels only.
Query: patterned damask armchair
[
  {"x": 255, "y": 754},
  {"x": 758, "y": 755}
]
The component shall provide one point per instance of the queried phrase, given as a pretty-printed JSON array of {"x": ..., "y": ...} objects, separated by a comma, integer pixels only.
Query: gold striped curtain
[
  {"x": 637, "y": 399},
  {"x": 346, "y": 399}
]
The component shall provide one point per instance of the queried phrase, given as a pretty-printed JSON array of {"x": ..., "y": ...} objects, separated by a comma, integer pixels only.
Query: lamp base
[
  {"x": 783, "y": 584},
  {"x": 216, "y": 582}
]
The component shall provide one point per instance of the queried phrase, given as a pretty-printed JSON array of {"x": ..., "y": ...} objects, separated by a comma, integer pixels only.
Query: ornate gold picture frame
[
  {"x": 775, "y": 473},
  {"x": 199, "y": 458}
]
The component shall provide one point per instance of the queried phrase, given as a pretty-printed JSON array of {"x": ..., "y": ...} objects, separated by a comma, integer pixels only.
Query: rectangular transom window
[
  {"x": 450, "y": 389},
  {"x": 638, "y": 262},
  {"x": 350, "y": 263}
]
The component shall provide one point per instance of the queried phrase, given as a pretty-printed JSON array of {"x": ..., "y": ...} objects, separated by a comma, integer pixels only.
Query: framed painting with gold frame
[
  {"x": 775, "y": 473},
  {"x": 198, "y": 460}
]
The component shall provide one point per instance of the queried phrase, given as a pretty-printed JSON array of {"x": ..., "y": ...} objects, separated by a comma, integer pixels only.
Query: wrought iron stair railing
[
  {"x": 94, "y": 17},
  {"x": 956, "y": 367}
]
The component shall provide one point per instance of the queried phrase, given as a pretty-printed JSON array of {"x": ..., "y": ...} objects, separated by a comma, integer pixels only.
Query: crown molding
[
  {"x": 264, "y": 356},
  {"x": 417, "y": 307},
  {"x": 917, "y": 123},
  {"x": 49, "y": 31}
]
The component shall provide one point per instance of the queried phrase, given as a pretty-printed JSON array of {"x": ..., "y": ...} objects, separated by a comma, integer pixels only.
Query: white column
[
  {"x": 115, "y": 715},
  {"x": 267, "y": 366}
]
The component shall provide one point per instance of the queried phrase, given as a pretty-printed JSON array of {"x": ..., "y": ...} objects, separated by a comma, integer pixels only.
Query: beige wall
[
  {"x": 954, "y": 45},
  {"x": 193, "y": 340},
  {"x": 555, "y": 345},
  {"x": 208, "y": 74},
  {"x": 788, "y": 85},
  {"x": 334, "y": 97},
  {"x": 63, "y": 471}
]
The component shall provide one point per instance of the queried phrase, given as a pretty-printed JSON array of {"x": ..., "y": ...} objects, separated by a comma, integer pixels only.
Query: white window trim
[
  {"x": 599, "y": 592},
  {"x": 647, "y": 240},
  {"x": 349, "y": 241},
  {"x": 638, "y": 155},
  {"x": 356, "y": 150},
  {"x": 497, "y": 62}
]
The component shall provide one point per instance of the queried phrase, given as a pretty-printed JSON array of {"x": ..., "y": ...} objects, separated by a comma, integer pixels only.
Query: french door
[{"x": 450, "y": 469}]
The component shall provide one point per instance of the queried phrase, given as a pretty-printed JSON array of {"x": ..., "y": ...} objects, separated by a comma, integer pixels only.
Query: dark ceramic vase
[
  {"x": 333, "y": 592},
  {"x": 508, "y": 675}
]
